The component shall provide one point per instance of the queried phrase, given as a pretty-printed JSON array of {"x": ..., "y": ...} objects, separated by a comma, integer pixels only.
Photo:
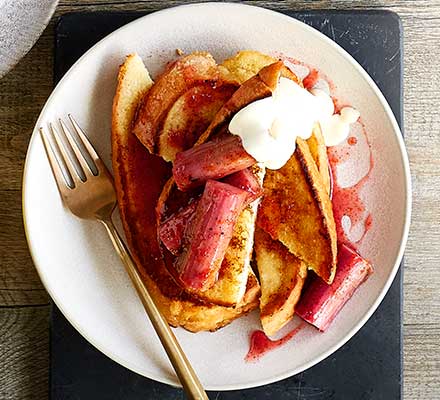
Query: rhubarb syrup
[
  {"x": 352, "y": 217},
  {"x": 260, "y": 344},
  {"x": 347, "y": 201}
]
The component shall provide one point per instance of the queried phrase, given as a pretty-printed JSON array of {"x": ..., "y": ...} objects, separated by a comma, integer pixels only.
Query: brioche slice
[
  {"x": 296, "y": 209},
  {"x": 318, "y": 150},
  {"x": 186, "y": 72},
  {"x": 190, "y": 115},
  {"x": 139, "y": 179},
  {"x": 282, "y": 277},
  {"x": 134, "y": 81},
  {"x": 245, "y": 64}
]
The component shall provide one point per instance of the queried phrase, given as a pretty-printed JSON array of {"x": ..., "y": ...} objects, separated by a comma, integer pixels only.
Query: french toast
[
  {"x": 245, "y": 64},
  {"x": 198, "y": 68},
  {"x": 139, "y": 180},
  {"x": 296, "y": 227},
  {"x": 230, "y": 286},
  {"x": 282, "y": 277},
  {"x": 296, "y": 209},
  {"x": 318, "y": 151}
]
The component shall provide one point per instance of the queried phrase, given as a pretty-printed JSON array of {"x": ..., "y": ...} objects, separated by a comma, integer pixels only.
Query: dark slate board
[{"x": 369, "y": 366}]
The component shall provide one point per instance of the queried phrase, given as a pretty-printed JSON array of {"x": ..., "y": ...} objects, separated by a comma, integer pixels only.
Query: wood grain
[
  {"x": 422, "y": 362},
  {"x": 24, "y": 325},
  {"x": 19, "y": 282},
  {"x": 24, "y": 353}
]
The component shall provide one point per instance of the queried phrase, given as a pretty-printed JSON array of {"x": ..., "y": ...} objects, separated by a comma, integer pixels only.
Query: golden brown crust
[
  {"x": 139, "y": 179},
  {"x": 183, "y": 74},
  {"x": 195, "y": 316},
  {"x": 245, "y": 64},
  {"x": 318, "y": 150},
  {"x": 297, "y": 210},
  {"x": 248, "y": 63},
  {"x": 282, "y": 277},
  {"x": 270, "y": 75}
]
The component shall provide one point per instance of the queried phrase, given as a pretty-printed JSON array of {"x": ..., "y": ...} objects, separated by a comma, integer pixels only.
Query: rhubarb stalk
[
  {"x": 247, "y": 181},
  {"x": 171, "y": 231},
  {"x": 320, "y": 303},
  {"x": 210, "y": 160},
  {"x": 207, "y": 237}
]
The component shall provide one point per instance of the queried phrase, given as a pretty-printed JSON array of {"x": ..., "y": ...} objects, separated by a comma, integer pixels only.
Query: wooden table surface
[{"x": 24, "y": 304}]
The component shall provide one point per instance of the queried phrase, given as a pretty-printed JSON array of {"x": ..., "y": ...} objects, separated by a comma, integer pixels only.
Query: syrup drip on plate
[
  {"x": 261, "y": 344},
  {"x": 352, "y": 218}
]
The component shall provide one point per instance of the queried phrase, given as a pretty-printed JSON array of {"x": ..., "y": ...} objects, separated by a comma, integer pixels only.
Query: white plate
[{"x": 76, "y": 261}]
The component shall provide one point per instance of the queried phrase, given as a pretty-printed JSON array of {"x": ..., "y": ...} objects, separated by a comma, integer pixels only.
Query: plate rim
[{"x": 407, "y": 209}]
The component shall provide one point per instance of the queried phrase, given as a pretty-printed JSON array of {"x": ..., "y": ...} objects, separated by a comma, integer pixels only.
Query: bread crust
[
  {"x": 318, "y": 151},
  {"x": 139, "y": 179},
  {"x": 282, "y": 277},
  {"x": 296, "y": 209}
]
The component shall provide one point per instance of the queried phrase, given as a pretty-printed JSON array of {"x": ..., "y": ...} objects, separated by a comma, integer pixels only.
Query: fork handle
[{"x": 183, "y": 368}]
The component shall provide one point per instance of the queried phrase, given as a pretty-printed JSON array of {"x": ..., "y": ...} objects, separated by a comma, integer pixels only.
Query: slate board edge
[{"x": 384, "y": 13}]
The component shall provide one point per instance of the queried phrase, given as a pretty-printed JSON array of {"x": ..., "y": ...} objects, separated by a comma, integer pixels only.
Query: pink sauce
[
  {"x": 351, "y": 140},
  {"x": 313, "y": 76},
  {"x": 261, "y": 344},
  {"x": 310, "y": 80},
  {"x": 347, "y": 202}
]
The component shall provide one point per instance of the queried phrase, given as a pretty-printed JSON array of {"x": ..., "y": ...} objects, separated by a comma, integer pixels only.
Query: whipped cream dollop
[
  {"x": 336, "y": 128},
  {"x": 269, "y": 127}
]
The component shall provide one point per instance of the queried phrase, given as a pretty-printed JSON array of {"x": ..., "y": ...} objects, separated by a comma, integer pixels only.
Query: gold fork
[{"x": 86, "y": 188}]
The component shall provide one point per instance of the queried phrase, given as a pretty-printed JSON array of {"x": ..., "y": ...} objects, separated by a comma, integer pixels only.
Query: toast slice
[
  {"x": 139, "y": 179},
  {"x": 245, "y": 64},
  {"x": 181, "y": 75},
  {"x": 296, "y": 209},
  {"x": 190, "y": 115},
  {"x": 282, "y": 277},
  {"x": 318, "y": 151}
]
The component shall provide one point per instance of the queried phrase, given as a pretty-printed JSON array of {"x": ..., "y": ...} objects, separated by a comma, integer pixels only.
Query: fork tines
[{"x": 72, "y": 158}]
